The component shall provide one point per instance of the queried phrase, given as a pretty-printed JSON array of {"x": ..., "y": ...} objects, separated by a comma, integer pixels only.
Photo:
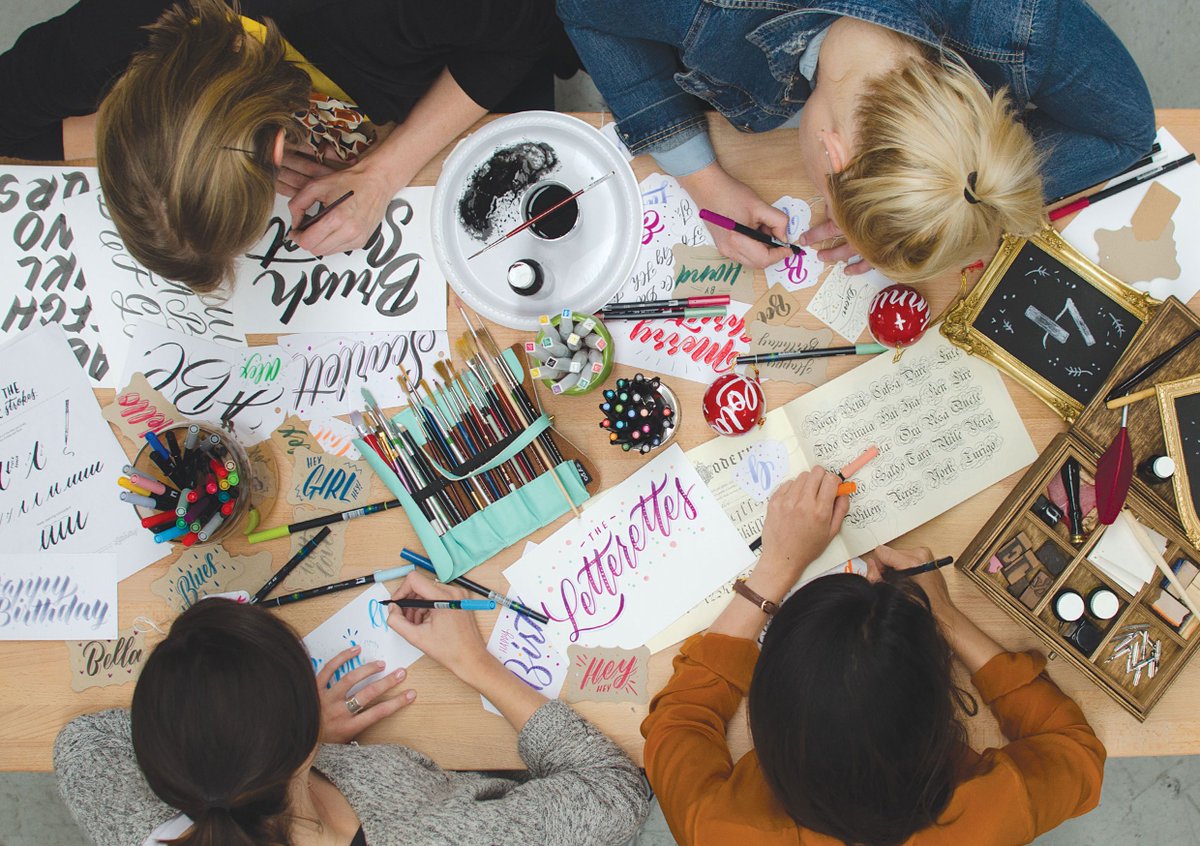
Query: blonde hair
[
  {"x": 942, "y": 169},
  {"x": 185, "y": 141}
]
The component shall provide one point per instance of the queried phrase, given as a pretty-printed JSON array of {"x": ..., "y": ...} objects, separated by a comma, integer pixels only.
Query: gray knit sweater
[{"x": 582, "y": 791}]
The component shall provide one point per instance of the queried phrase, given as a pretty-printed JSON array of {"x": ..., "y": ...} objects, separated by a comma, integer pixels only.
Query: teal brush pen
[
  {"x": 502, "y": 600},
  {"x": 450, "y": 604},
  {"x": 792, "y": 355}
]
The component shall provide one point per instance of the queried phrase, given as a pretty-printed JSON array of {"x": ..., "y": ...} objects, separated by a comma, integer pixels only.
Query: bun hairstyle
[
  {"x": 224, "y": 714},
  {"x": 942, "y": 168},
  {"x": 854, "y": 710},
  {"x": 185, "y": 141}
]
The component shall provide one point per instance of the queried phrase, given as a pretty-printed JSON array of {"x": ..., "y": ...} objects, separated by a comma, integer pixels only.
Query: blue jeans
[{"x": 661, "y": 63}]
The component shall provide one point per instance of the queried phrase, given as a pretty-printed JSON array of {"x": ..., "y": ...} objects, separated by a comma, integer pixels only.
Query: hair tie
[{"x": 969, "y": 191}]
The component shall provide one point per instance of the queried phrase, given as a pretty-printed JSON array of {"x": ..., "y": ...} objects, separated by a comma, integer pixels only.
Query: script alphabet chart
[
  {"x": 58, "y": 459},
  {"x": 638, "y": 558}
]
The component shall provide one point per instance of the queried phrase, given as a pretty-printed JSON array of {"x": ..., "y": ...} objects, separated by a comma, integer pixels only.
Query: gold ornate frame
[
  {"x": 1168, "y": 392},
  {"x": 959, "y": 324}
]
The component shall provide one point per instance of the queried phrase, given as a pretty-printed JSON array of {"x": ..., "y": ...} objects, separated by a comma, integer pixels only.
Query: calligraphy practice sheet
[
  {"x": 640, "y": 556},
  {"x": 669, "y": 216},
  {"x": 842, "y": 301},
  {"x": 943, "y": 421},
  {"x": 124, "y": 292},
  {"x": 1170, "y": 249},
  {"x": 796, "y": 272},
  {"x": 333, "y": 368},
  {"x": 44, "y": 281},
  {"x": 59, "y": 460},
  {"x": 696, "y": 348},
  {"x": 361, "y": 622},
  {"x": 392, "y": 284},
  {"x": 57, "y": 597},
  {"x": 520, "y": 644}
]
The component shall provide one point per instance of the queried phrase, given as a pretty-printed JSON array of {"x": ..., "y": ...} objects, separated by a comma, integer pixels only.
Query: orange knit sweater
[{"x": 1049, "y": 772}]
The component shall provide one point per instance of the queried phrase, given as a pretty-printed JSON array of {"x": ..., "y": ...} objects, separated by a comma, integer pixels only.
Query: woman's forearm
[
  {"x": 515, "y": 700},
  {"x": 970, "y": 643}
]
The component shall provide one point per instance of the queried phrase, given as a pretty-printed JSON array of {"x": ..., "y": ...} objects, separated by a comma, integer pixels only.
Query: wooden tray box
[{"x": 1153, "y": 505}]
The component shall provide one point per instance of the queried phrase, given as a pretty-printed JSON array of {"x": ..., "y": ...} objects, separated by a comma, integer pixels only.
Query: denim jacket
[{"x": 661, "y": 63}]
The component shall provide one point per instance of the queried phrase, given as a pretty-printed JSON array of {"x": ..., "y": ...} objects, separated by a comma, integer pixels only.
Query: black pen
[
  {"x": 302, "y": 553},
  {"x": 927, "y": 567},
  {"x": 1140, "y": 163}
]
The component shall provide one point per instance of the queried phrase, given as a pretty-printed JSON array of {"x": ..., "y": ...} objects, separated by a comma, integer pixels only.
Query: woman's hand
[
  {"x": 449, "y": 637},
  {"x": 352, "y": 223},
  {"x": 803, "y": 516},
  {"x": 884, "y": 558},
  {"x": 715, "y": 189},
  {"x": 828, "y": 230},
  {"x": 338, "y": 725}
]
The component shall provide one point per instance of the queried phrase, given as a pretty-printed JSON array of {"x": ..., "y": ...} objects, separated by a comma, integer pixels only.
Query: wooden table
[{"x": 446, "y": 722}]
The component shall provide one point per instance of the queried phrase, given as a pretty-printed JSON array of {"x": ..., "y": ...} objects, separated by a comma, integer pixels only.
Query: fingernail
[
  {"x": 411, "y": 695},
  {"x": 356, "y": 649},
  {"x": 401, "y": 673},
  {"x": 379, "y": 664}
]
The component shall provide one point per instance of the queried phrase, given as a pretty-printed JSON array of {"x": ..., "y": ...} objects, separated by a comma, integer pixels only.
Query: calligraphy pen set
[
  {"x": 1043, "y": 557},
  {"x": 472, "y": 460}
]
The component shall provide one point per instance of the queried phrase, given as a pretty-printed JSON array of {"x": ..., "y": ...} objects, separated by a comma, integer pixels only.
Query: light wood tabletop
[{"x": 446, "y": 721}]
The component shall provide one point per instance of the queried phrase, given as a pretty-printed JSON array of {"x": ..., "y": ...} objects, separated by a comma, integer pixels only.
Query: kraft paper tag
[
  {"x": 138, "y": 408},
  {"x": 702, "y": 271},
  {"x": 601, "y": 674},
  {"x": 207, "y": 570},
  {"x": 777, "y": 307},
  {"x": 326, "y": 481},
  {"x": 293, "y": 434},
  {"x": 101, "y": 663},
  {"x": 1146, "y": 249},
  {"x": 808, "y": 371},
  {"x": 1154, "y": 212},
  {"x": 324, "y": 564}
]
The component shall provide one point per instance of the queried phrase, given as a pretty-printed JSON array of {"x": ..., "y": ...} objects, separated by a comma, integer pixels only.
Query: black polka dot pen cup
[
  {"x": 189, "y": 485},
  {"x": 640, "y": 414}
]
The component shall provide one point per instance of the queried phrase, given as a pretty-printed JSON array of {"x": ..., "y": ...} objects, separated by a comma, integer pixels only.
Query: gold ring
[{"x": 354, "y": 706}]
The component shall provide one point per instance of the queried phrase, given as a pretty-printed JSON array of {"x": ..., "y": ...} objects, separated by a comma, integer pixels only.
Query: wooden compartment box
[{"x": 1022, "y": 562}]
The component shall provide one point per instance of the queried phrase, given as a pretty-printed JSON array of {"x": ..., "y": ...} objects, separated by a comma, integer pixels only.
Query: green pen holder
[{"x": 594, "y": 378}]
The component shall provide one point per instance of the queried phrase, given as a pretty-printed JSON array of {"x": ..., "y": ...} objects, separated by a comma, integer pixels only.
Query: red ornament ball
[
  {"x": 898, "y": 316},
  {"x": 734, "y": 404}
]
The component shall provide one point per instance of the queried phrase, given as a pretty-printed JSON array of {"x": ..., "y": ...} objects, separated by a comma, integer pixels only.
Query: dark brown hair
[
  {"x": 854, "y": 710},
  {"x": 225, "y": 713},
  {"x": 185, "y": 141}
]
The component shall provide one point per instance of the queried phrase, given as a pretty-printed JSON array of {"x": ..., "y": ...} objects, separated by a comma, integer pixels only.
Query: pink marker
[
  {"x": 733, "y": 226},
  {"x": 859, "y": 463},
  {"x": 152, "y": 485}
]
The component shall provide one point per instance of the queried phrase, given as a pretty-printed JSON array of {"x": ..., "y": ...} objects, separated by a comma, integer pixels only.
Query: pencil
[
  {"x": 927, "y": 567},
  {"x": 1154, "y": 173},
  {"x": 733, "y": 226},
  {"x": 306, "y": 222},
  {"x": 500, "y": 599},
  {"x": 293, "y": 562},
  {"x": 335, "y": 587},
  {"x": 820, "y": 352},
  {"x": 449, "y": 604}
]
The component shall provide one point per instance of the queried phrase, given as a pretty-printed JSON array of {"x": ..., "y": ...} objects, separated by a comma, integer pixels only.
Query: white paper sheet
[
  {"x": 696, "y": 348},
  {"x": 58, "y": 597},
  {"x": 43, "y": 280},
  {"x": 796, "y": 272},
  {"x": 334, "y": 367},
  {"x": 361, "y": 622},
  {"x": 393, "y": 284},
  {"x": 59, "y": 460},
  {"x": 1119, "y": 555},
  {"x": 205, "y": 380},
  {"x": 669, "y": 216},
  {"x": 842, "y": 301},
  {"x": 124, "y": 293},
  {"x": 1117, "y": 211},
  {"x": 640, "y": 556}
]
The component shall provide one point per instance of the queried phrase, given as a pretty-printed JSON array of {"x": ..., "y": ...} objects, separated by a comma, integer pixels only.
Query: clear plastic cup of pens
[{"x": 190, "y": 484}]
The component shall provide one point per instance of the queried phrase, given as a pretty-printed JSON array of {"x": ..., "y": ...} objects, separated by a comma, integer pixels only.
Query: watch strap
[{"x": 743, "y": 589}]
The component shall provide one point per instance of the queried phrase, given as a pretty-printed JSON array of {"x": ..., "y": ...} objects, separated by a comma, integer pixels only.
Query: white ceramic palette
[{"x": 585, "y": 268}]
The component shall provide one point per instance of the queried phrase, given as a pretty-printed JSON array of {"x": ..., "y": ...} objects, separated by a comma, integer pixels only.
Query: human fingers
[
  {"x": 381, "y": 710},
  {"x": 376, "y": 689},
  {"x": 289, "y": 183},
  {"x": 334, "y": 233},
  {"x": 306, "y": 198},
  {"x": 775, "y": 220},
  {"x": 341, "y": 687},
  {"x": 304, "y": 165},
  {"x": 325, "y": 674},
  {"x": 842, "y": 252},
  {"x": 755, "y": 254},
  {"x": 826, "y": 492},
  {"x": 841, "y": 507},
  {"x": 823, "y": 231},
  {"x": 858, "y": 267}
]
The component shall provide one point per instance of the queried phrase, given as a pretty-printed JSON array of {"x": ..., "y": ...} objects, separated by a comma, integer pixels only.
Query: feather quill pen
[{"x": 1114, "y": 473}]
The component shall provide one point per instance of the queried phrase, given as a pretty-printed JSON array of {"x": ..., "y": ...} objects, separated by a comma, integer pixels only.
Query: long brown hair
[
  {"x": 855, "y": 712},
  {"x": 224, "y": 714},
  {"x": 185, "y": 141}
]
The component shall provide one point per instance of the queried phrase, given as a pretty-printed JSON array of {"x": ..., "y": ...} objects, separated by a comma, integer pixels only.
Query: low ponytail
[{"x": 942, "y": 168}]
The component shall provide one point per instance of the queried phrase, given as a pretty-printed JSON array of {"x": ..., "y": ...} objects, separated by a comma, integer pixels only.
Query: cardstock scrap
[
  {"x": 138, "y": 408},
  {"x": 59, "y": 460},
  {"x": 796, "y": 272},
  {"x": 702, "y": 271},
  {"x": 323, "y": 480},
  {"x": 293, "y": 434},
  {"x": 1146, "y": 248},
  {"x": 51, "y": 596},
  {"x": 804, "y": 371},
  {"x": 641, "y": 555},
  {"x": 203, "y": 571},
  {"x": 598, "y": 674},
  {"x": 776, "y": 307},
  {"x": 842, "y": 301},
  {"x": 361, "y": 622},
  {"x": 102, "y": 663}
]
